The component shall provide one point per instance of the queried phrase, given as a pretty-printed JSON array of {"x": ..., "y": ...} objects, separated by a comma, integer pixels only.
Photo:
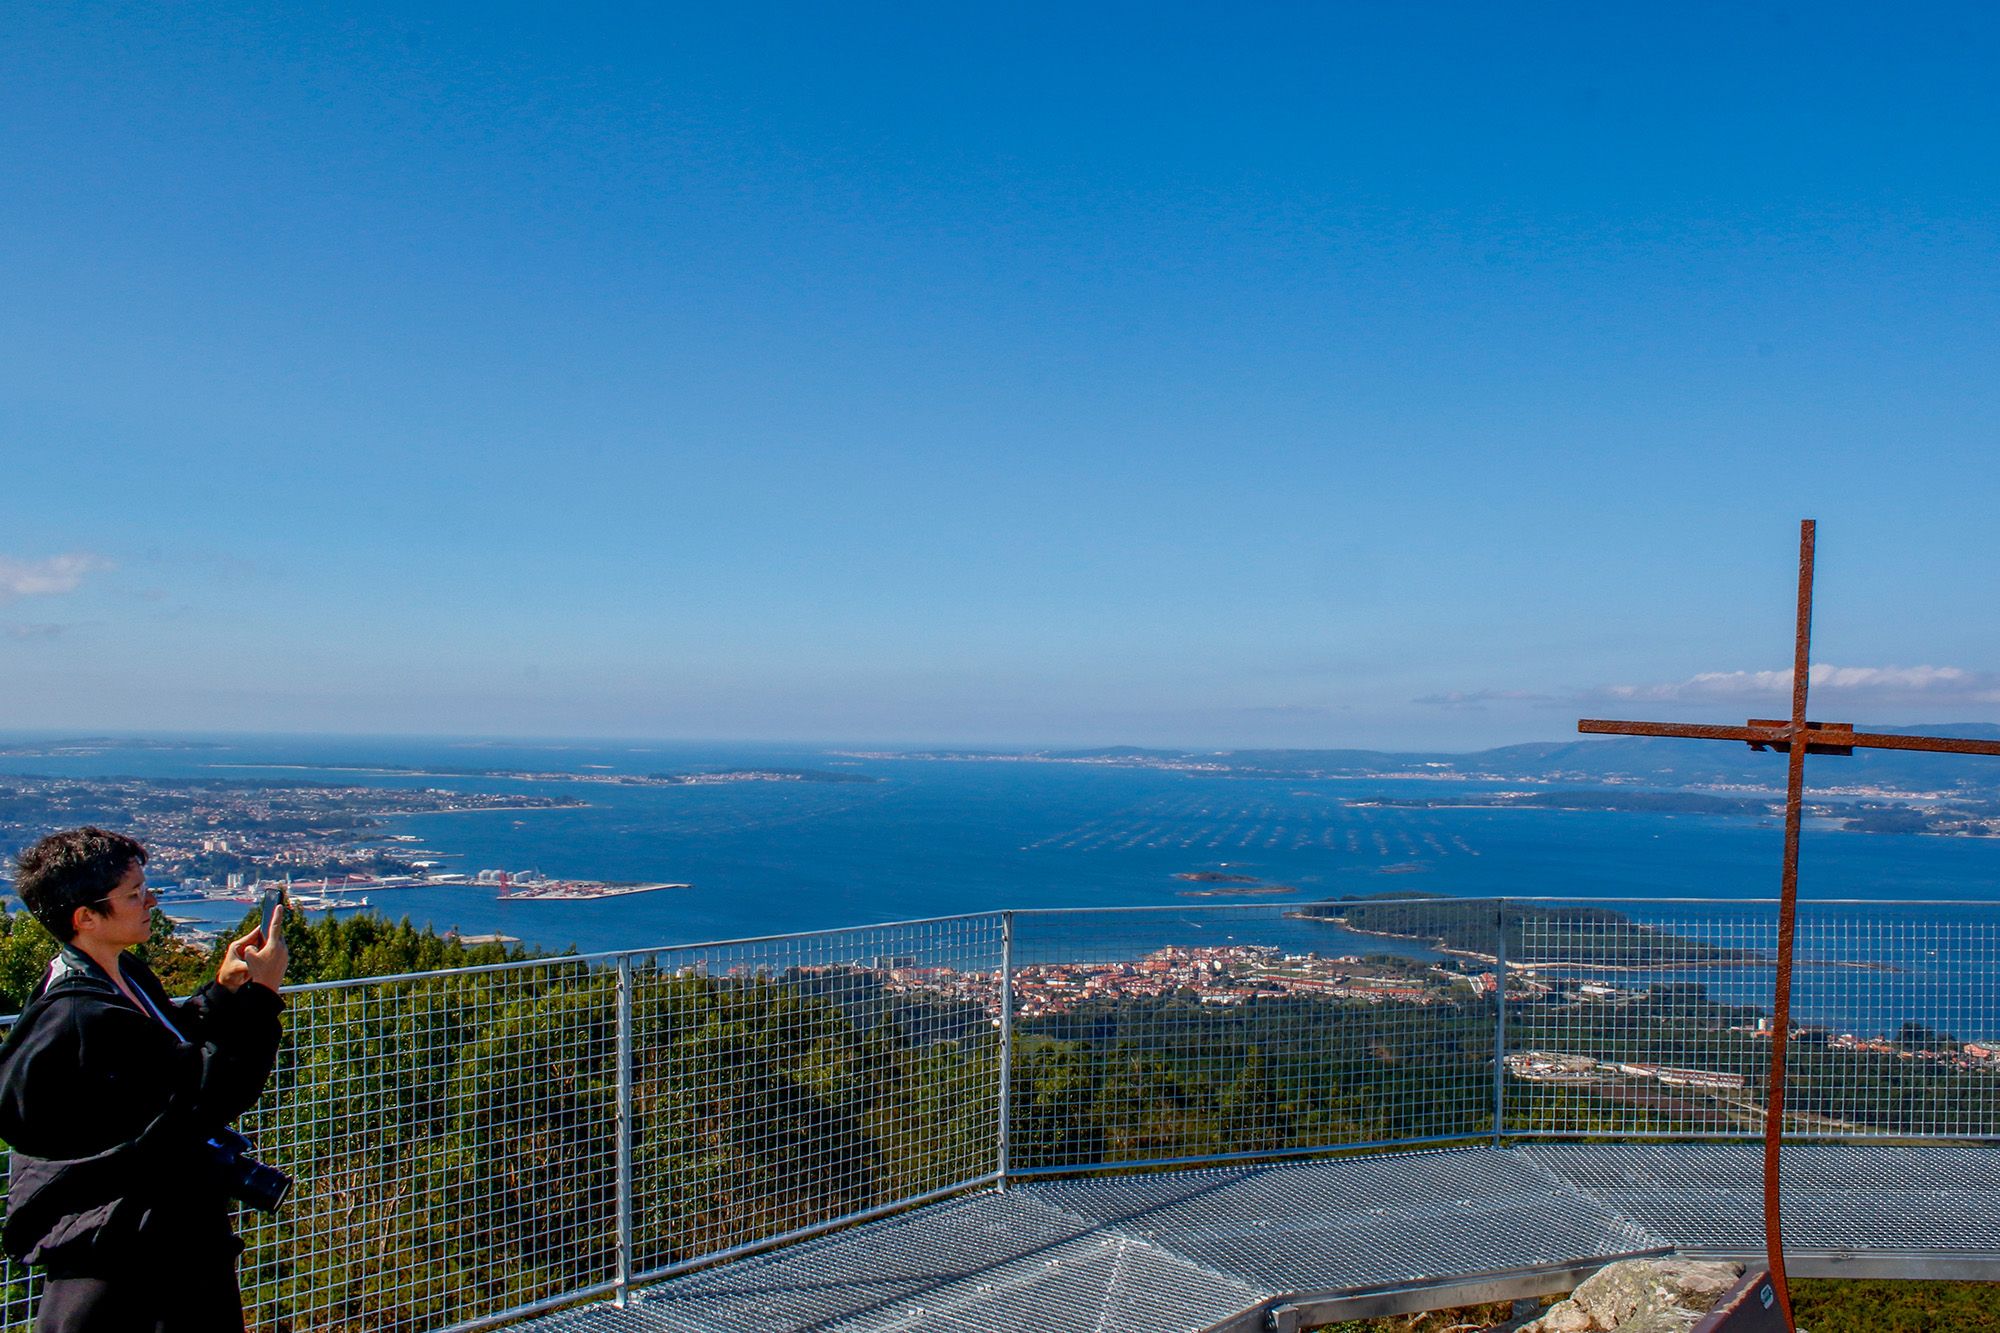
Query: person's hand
[
  {"x": 253, "y": 958},
  {"x": 235, "y": 969},
  {"x": 267, "y": 960}
]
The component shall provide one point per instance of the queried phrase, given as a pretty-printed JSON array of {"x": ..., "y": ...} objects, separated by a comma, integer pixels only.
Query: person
[{"x": 109, "y": 1093}]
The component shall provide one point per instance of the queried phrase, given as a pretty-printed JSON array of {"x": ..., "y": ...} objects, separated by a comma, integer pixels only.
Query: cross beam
[
  {"x": 1836, "y": 738},
  {"x": 1821, "y": 737}
]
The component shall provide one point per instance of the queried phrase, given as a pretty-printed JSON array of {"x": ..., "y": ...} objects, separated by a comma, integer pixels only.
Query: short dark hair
[{"x": 78, "y": 867}]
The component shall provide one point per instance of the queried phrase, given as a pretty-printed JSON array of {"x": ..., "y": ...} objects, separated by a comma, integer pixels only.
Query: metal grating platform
[
  {"x": 1160, "y": 1253},
  {"x": 1288, "y": 1246},
  {"x": 1873, "y": 1210},
  {"x": 1359, "y": 1221}
]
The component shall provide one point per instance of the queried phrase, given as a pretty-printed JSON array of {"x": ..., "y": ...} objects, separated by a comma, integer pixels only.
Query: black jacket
[{"x": 108, "y": 1113}]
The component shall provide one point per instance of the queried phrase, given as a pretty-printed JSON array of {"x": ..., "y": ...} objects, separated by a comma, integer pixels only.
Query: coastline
[
  {"x": 481, "y": 810},
  {"x": 1664, "y": 965}
]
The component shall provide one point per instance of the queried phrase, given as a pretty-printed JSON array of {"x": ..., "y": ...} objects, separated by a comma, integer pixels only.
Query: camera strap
[{"x": 146, "y": 1003}]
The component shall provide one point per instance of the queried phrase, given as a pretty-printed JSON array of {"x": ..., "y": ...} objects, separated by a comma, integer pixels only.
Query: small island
[
  {"x": 1240, "y": 891},
  {"x": 1223, "y": 884},
  {"x": 1584, "y": 938}
]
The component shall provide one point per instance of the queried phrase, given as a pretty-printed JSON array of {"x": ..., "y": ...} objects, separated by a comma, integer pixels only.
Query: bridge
[{"x": 1227, "y": 1116}]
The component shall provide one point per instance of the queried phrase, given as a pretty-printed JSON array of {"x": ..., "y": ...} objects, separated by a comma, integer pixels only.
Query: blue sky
[{"x": 1347, "y": 374}]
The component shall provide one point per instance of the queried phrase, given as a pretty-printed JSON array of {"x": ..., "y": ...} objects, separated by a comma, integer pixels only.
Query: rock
[
  {"x": 1640, "y": 1296},
  {"x": 1563, "y": 1317},
  {"x": 1698, "y": 1285},
  {"x": 1664, "y": 1321}
]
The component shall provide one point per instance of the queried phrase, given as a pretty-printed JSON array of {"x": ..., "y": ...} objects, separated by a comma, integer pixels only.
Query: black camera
[{"x": 243, "y": 1176}]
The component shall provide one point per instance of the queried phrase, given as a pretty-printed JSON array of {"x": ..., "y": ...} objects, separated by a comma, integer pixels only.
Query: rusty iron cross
[{"x": 1818, "y": 738}]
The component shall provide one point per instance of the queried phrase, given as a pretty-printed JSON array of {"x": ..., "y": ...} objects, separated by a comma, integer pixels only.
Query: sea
[{"x": 935, "y": 837}]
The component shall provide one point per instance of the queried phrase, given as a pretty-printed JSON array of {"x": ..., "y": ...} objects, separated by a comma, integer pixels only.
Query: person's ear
[{"x": 76, "y": 919}]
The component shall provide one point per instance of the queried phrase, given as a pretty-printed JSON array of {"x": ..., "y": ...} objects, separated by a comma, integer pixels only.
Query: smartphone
[{"x": 271, "y": 913}]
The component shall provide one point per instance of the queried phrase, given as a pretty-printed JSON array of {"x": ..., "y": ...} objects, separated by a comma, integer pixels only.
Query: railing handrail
[{"x": 1436, "y": 899}]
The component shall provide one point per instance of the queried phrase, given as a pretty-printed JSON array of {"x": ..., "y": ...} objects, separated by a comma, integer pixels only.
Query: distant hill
[
  {"x": 1649, "y": 760},
  {"x": 1664, "y": 761}
]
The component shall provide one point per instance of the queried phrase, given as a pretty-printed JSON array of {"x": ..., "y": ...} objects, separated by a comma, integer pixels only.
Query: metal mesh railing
[
  {"x": 474, "y": 1144},
  {"x": 781, "y": 1085},
  {"x": 1160, "y": 1035},
  {"x": 451, "y": 1139},
  {"x": 491, "y": 1141},
  {"x": 454, "y": 1142},
  {"x": 1654, "y": 1019}
]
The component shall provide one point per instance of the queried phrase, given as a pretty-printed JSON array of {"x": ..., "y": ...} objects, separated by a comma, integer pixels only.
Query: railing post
[
  {"x": 1004, "y": 1147},
  {"x": 624, "y": 1130},
  {"x": 1499, "y": 1019}
]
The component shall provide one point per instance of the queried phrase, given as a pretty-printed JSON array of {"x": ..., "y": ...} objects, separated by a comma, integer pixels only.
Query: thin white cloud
[
  {"x": 40, "y": 631},
  {"x": 51, "y": 576},
  {"x": 1944, "y": 684},
  {"x": 1479, "y": 698},
  {"x": 1290, "y": 710}
]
